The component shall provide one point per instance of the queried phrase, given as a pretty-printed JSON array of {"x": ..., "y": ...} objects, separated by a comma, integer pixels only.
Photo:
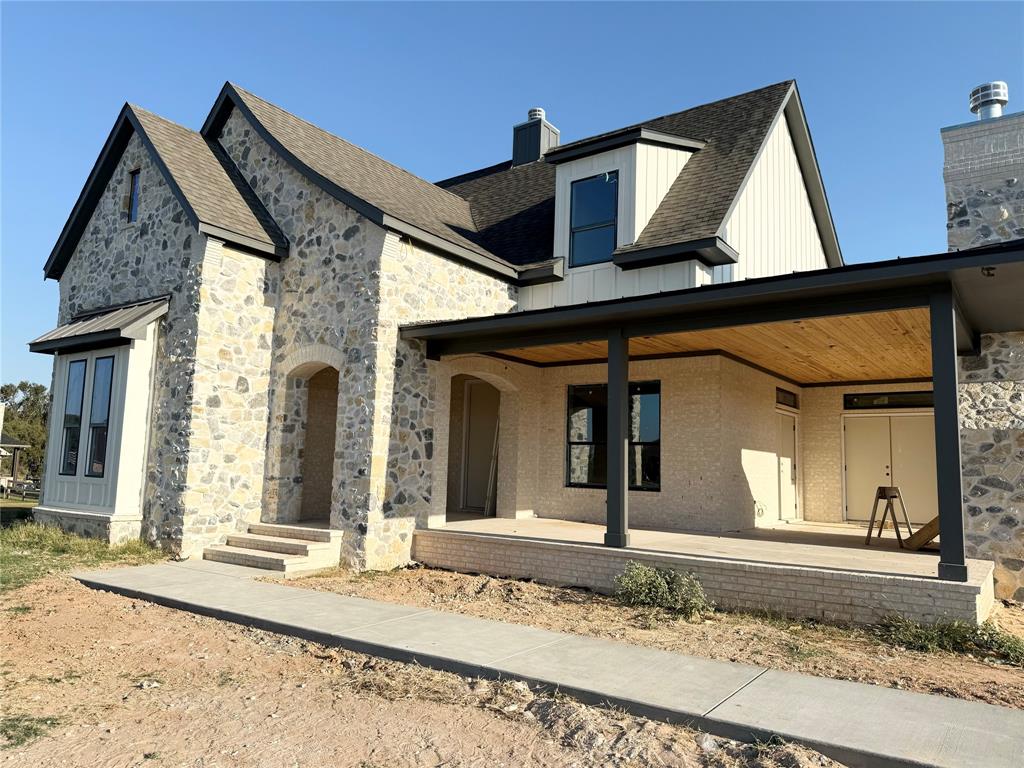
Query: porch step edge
[
  {"x": 279, "y": 544},
  {"x": 281, "y": 530}
]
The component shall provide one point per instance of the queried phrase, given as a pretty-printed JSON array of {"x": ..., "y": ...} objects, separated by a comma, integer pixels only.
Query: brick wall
[{"x": 833, "y": 595}]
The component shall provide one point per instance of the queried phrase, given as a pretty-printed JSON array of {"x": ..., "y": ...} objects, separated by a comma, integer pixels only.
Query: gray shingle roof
[
  {"x": 514, "y": 206},
  {"x": 386, "y": 187},
  {"x": 211, "y": 185}
]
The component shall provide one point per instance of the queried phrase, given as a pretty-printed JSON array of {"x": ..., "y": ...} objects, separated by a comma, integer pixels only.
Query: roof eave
[
  {"x": 587, "y": 147},
  {"x": 710, "y": 251}
]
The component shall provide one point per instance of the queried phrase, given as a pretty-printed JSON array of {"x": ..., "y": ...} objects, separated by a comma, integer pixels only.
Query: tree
[{"x": 27, "y": 406}]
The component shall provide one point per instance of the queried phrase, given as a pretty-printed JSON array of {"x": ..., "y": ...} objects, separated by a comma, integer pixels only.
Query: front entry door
[
  {"x": 891, "y": 450},
  {"x": 480, "y": 447},
  {"x": 785, "y": 451}
]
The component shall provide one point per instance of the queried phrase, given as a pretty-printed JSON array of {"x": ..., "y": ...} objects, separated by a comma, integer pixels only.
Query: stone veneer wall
[
  {"x": 984, "y": 175},
  {"x": 117, "y": 262},
  {"x": 416, "y": 286},
  {"x": 340, "y": 297},
  {"x": 327, "y": 297},
  {"x": 992, "y": 447}
]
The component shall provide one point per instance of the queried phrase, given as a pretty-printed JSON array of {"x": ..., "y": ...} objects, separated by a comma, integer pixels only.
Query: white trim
[{"x": 798, "y": 458}]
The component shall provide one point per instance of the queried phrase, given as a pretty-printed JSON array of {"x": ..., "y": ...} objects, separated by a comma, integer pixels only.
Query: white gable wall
[
  {"x": 772, "y": 225},
  {"x": 645, "y": 174}
]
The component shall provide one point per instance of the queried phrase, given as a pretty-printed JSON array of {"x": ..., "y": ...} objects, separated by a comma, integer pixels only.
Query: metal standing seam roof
[{"x": 103, "y": 327}]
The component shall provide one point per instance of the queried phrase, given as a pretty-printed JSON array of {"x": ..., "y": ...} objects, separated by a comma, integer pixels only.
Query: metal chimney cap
[
  {"x": 535, "y": 113},
  {"x": 988, "y": 99}
]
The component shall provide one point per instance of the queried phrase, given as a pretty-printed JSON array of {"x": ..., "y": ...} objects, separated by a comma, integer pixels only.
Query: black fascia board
[
  {"x": 606, "y": 142},
  {"x": 710, "y": 251},
  {"x": 97, "y": 340},
  {"x": 862, "y": 287}
]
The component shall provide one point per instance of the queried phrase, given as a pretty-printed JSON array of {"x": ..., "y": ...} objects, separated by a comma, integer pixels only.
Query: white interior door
[
  {"x": 868, "y": 462},
  {"x": 785, "y": 450},
  {"x": 913, "y": 464},
  {"x": 481, "y": 427}
]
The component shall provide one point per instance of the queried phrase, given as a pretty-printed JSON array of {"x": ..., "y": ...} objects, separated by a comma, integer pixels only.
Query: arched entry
[
  {"x": 473, "y": 447},
  {"x": 317, "y": 461}
]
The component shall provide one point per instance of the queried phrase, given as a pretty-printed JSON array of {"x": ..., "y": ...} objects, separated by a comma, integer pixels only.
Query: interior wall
[
  {"x": 455, "y": 443},
  {"x": 319, "y": 445}
]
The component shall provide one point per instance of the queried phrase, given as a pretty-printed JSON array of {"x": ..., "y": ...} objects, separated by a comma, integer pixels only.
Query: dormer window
[
  {"x": 133, "y": 195},
  {"x": 592, "y": 219}
]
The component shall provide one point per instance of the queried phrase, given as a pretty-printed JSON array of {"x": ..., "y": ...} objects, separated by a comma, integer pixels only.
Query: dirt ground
[
  {"x": 800, "y": 646},
  {"x": 110, "y": 681}
]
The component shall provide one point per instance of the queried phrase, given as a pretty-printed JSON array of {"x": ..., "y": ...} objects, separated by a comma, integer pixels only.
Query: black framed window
[
  {"x": 787, "y": 398},
  {"x": 593, "y": 206},
  {"x": 587, "y": 436},
  {"x": 133, "y": 195},
  {"x": 99, "y": 416},
  {"x": 868, "y": 400},
  {"x": 72, "y": 417}
]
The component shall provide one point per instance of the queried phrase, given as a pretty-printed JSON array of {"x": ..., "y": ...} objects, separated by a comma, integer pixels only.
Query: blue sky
[{"x": 437, "y": 88}]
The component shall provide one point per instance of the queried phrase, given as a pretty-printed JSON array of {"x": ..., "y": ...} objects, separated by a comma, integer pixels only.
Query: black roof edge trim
[
  {"x": 79, "y": 343},
  {"x": 490, "y": 265},
  {"x": 759, "y": 289},
  {"x": 243, "y": 242},
  {"x": 229, "y": 99},
  {"x": 710, "y": 251},
  {"x": 545, "y": 272},
  {"x": 92, "y": 190},
  {"x": 586, "y": 147}
]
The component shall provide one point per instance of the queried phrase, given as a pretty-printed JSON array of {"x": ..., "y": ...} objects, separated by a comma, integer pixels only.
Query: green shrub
[
  {"x": 644, "y": 586},
  {"x": 953, "y": 636}
]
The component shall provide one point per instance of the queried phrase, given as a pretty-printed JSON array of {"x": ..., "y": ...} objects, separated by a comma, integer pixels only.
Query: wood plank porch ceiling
[{"x": 877, "y": 346}]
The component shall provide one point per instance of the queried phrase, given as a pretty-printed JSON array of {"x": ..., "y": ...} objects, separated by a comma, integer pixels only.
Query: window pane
[
  {"x": 133, "y": 196},
  {"x": 587, "y": 464},
  {"x": 591, "y": 246},
  {"x": 99, "y": 415},
  {"x": 72, "y": 417},
  {"x": 645, "y": 412},
  {"x": 588, "y": 414},
  {"x": 594, "y": 200},
  {"x": 645, "y": 467}
]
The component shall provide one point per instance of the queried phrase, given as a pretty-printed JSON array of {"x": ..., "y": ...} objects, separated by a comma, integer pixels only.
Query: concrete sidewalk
[{"x": 857, "y": 724}]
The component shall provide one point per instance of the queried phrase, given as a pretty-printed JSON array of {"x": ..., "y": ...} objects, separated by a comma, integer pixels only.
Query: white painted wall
[
  {"x": 645, "y": 174},
  {"x": 119, "y": 492},
  {"x": 772, "y": 225}
]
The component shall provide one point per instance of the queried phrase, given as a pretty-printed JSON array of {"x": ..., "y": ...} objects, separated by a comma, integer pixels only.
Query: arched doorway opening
[
  {"x": 318, "y": 445},
  {"x": 473, "y": 448}
]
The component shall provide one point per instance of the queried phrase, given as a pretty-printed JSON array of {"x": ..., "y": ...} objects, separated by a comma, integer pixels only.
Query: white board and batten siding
[
  {"x": 772, "y": 226},
  {"x": 645, "y": 174}
]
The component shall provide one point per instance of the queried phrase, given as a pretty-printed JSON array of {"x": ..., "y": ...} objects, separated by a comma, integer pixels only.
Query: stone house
[{"x": 276, "y": 348}]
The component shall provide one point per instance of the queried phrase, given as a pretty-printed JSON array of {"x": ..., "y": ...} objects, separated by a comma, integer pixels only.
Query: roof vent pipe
[
  {"x": 988, "y": 99},
  {"x": 536, "y": 113}
]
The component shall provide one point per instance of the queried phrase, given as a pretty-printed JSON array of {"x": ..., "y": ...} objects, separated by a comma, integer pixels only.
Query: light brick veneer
[{"x": 832, "y": 595}]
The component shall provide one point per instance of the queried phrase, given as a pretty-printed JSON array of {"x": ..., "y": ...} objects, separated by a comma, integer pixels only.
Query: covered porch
[{"x": 728, "y": 360}]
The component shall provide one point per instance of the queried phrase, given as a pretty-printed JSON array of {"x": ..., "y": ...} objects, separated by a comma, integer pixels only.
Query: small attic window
[
  {"x": 133, "y": 195},
  {"x": 592, "y": 219}
]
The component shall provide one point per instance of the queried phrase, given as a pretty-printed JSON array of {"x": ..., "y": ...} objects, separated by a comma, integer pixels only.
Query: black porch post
[
  {"x": 617, "y": 531},
  {"x": 952, "y": 565}
]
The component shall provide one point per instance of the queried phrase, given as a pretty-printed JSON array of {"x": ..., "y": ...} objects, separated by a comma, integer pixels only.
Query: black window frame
[
  {"x": 65, "y": 427},
  {"x": 569, "y": 444},
  {"x": 133, "y": 195},
  {"x": 598, "y": 225},
  {"x": 895, "y": 400},
  {"x": 92, "y": 426}
]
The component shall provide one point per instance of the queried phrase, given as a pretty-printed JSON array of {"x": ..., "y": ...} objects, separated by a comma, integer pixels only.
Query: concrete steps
[{"x": 286, "y": 549}]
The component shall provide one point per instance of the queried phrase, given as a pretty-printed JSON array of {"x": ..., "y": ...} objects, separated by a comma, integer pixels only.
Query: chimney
[
  {"x": 984, "y": 172},
  {"x": 988, "y": 99},
  {"x": 530, "y": 140}
]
